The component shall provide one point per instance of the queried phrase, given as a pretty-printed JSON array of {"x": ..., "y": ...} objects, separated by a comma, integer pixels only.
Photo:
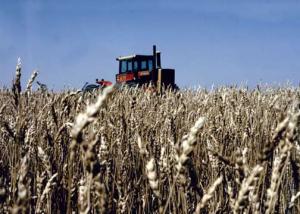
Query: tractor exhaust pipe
[
  {"x": 158, "y": 60},
  {"x": 154, "y": 71},
  {"x": 154, "y": 57}
]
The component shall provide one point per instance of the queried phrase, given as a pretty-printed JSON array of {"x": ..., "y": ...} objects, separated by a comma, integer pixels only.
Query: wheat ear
[
  {"x": 248, "y": 185},
  {"x": 188, "y": 144},
  {"x": 152, "y": 176},
  {"x": 30, "y": 81},
  {"x": 277, "y": 172},
  {"x": 208, "y": 195},
  {"x": 293, "y": 199},
  {"x": 16, "y": 88},
  {"x": 49, "y": 186}
]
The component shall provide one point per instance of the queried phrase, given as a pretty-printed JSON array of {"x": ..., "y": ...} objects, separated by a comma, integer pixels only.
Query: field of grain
[{"x": 227, "y": 150}]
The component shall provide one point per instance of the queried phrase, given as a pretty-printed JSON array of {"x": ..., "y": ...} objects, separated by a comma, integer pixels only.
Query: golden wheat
[{"x": 132, "y": 151}]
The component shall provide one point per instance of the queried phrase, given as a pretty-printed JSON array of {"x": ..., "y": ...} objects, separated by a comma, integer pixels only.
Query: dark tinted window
[
  {"x": 123, "y": 66},
  {"x": 144, "y": 65},
  {"x": 129, "y": 66},
  {"x": 135, "y": 65},
  {"x": 150, "y": 65}
]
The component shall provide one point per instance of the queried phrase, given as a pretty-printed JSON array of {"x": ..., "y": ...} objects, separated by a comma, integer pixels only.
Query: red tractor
[
  {"x": 144, "y": 69},
  {"x": 140, "y": 70}
]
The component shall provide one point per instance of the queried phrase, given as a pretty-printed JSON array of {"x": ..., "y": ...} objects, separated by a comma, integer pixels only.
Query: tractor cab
[
  {"x": 144, "y": 69},
  {"x": 135, "y": 68}
]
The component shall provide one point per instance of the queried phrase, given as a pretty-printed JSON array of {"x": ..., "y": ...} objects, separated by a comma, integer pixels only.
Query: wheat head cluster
[{"x": 227, "y": 150}]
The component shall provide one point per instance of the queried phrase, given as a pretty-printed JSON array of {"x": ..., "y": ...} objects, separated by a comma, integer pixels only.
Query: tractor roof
[{"x": 134, "y": 56}]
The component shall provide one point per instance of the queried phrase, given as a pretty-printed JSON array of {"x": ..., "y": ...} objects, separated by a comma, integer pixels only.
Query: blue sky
[{"x": 207, "y": 42}]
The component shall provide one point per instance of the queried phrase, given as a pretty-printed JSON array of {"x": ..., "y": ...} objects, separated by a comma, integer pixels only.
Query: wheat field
[{"x": 226, "y": 150}]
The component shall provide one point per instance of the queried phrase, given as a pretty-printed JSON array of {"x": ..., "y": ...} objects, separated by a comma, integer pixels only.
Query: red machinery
[{"x": 103, "y": 83}]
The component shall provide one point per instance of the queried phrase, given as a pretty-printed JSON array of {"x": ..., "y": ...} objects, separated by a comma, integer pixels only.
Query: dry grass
[{"x": 134, "y": 152}]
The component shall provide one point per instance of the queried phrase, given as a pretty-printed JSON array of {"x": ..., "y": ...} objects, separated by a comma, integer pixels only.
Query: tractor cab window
[
  {"x": 135, "y": 65},
  {"x": 150, "y": 65},
  {"x": 123, "y": 66},
  {"x": 129, "y": 66},
  {"x": 143, "y": 65}
]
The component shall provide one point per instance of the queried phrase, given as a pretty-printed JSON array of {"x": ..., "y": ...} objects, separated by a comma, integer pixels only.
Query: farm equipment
[
  {"x": 141, "y": 70},
  {"x": 144, "y": 69},
  {"x": 99, "y": 84}
]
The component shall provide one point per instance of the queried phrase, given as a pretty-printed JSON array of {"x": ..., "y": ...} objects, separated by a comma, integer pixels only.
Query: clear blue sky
[{"x": 207, "y": 42}]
